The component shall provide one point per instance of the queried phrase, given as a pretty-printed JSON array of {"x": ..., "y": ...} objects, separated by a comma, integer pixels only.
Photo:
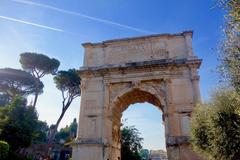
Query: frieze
[{"x": 154, "y": 64}]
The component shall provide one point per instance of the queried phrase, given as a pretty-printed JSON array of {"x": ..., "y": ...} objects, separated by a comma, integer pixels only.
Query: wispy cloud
[
  {"x": 32, "y": 24},
  {"x": 83, "y": 16}
]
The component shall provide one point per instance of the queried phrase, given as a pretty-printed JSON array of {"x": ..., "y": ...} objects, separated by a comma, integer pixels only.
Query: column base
[
  {"x": 178, "y": 148},
  {"x": 87, "y": 150}
]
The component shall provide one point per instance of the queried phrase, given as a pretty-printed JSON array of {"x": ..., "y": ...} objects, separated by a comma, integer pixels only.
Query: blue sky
[{"x": 58, "y": 27}]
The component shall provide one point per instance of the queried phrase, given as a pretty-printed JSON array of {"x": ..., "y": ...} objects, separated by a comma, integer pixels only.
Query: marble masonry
[{"x": 160, "y": 69}]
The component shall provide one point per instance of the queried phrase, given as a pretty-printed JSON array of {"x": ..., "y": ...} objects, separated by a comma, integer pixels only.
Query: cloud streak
[
  {"x": 32, "y": 24},
  {"x": 83, "y": 16}
]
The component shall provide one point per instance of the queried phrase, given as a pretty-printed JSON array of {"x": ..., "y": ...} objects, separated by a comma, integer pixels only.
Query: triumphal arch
[{"x": 160, "y": 69}]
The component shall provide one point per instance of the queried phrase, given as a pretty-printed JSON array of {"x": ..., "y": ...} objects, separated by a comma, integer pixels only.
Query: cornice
[
  {"x": 113, "y": 41},
  {"x": 163, "y": 63}
]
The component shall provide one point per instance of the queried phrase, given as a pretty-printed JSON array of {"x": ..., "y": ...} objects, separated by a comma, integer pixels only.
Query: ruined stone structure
[{"x": 159, "y": 69}]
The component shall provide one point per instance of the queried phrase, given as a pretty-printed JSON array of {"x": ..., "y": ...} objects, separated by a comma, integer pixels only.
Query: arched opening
[
  {"x": 148, "y": 120},
  {"x": 127, "y": 100}
]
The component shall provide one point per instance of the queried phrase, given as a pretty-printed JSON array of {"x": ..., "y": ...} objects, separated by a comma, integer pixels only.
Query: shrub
[
  {"x": 4, "y": 149},
  {"x": 215, "y": 127}
]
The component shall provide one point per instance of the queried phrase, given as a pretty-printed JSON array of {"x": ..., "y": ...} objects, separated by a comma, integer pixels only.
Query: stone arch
[
  {"x": 160, "y": 69},
  {"x": 150, "y": 94},
  {"x": 122, "y": 101}
]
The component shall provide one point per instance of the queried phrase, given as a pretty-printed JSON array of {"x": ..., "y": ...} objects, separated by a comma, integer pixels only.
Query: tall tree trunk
[
  {"x": 35, "y": 100},
  {"x": 36, "y": 93},
  {"x": 53, "y": 133}
]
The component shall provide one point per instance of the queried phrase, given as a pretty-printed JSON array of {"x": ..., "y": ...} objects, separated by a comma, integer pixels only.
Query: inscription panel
[{"x": 135, "y": 52}]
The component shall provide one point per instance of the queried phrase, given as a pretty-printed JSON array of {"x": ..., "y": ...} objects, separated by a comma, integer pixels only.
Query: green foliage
[
  {"x": 73, "y": 127},
  {"x": 68, "y": 133},
  {"x": 39, "y": 64},
  {"x": 4, "y": 99},
  {"x": 15, "y": 82},
  {"x": 130, "y": 143},
  {"x": 215, "y": 127},
  {"x": 200, "y": 129},
  {"x": 68, "y": 82},
  {"x": 40, "y": 135},
  {"x": 230, "y": 47},
  {"x": 4, "y": 149},
  {"x": 63, "y": 134},
  {"x": 144, "y": 154},
  {"x": 17, "y": 124},
  {"x": 3, "y": 117}
]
